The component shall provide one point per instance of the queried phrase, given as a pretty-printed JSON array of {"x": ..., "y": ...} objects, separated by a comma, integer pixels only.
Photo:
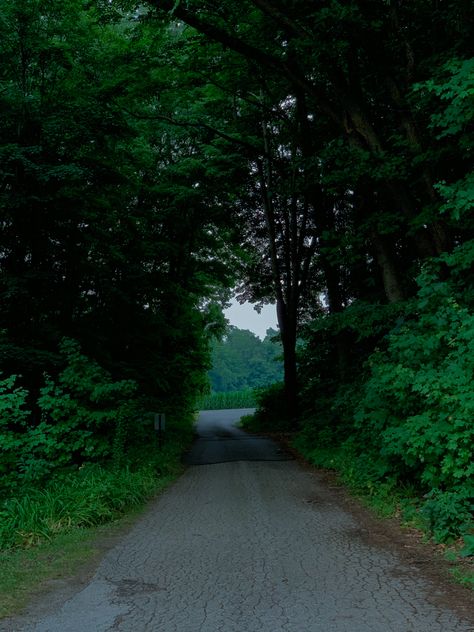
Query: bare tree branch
[{"x": 255, "y": 152}]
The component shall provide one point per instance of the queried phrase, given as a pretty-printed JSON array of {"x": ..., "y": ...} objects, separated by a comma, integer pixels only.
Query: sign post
[{"x": 160, "y": 425}]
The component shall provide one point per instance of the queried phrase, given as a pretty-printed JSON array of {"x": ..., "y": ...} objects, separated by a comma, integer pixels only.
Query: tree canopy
[
  {"x": 346, "y": 194},
  {"x": 318, "y": 155}
]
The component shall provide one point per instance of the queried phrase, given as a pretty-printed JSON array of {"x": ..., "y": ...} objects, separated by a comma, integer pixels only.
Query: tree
[
  {"x": 108, "y": 217},
  {"x": 323, "y": 103},
  {"x": 241, "y": 361}
]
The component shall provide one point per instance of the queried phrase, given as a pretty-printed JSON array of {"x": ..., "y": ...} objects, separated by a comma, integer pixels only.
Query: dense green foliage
[
  {"x": 320, "y": 154},
  {"x": 337, "y": 109},
  {"x": 241, "y": 365},
  {"x": 92, "y": 457},
  {"x": 90, "y": 496},
  {"x": 242, "y": 361},
  {"x": 355, "y": 119},
  {"x": 407, "y": 417},
  {"x": 270, "y": 414},
  {"x": 107, "y": 298},
  {"x": 84, "y": 416}
]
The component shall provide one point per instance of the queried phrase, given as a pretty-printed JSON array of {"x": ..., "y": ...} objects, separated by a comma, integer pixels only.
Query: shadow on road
[{"x": 219, "y": 440}]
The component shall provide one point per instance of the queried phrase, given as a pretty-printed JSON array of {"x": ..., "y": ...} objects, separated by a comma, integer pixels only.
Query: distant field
[{"x": 235, "y": 399}]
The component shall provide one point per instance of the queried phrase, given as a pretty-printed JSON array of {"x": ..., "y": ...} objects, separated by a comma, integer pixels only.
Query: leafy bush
[
  {"x": 270, "y": 415},
  {"x": 448, "y": 513},
  {"x": 84, "y": 414},
  {"x": 468, "y": 549},
  {"x": 332, "y": 367},
  {"x": 14, "y": 415},
  {"x": 452, "y": 103},
  {"x": 417, "y": 405},
  {"x": 418, "y": 401},
  {"x": 85, "y": 417},
  {"x": 91, "y": 494},
  {"x": 404, "y": 418}
]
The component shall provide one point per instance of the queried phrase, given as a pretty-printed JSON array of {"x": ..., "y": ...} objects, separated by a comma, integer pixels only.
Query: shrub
[
  {"x": 448, "y": 513},
  {"x": 417, "y": 405},
  {"x": 270, "y": 415},
  {"x": 84, "y": 416},
  {"x": 406, "y": 414},
  {"x": 14, "y": 415}
]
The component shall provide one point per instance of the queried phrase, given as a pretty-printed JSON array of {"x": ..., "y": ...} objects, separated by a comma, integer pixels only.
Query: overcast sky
[{"x": 245, "y": 317}]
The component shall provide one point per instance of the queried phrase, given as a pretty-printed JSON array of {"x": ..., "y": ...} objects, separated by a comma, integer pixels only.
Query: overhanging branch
[
  {"x": 255, "y": 152},
  {"x": 292, "y": 73}
]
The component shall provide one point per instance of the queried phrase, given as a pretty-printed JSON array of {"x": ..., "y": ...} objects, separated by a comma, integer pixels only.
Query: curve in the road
[{"x": 220, "y": 440}]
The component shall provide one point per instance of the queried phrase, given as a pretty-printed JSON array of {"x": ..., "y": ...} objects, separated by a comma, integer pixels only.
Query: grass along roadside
[
  {"x": 58, "y": 531},
  {"x": 26, "y": 571}
]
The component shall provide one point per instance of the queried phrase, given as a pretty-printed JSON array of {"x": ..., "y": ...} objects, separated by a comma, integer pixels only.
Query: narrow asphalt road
[
  {"x": 247, "y": 541},
  {"x": 219, "y": 440}
]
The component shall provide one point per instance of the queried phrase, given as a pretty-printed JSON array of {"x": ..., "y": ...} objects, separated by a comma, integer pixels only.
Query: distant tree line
[{"x": 241, "y": 361}]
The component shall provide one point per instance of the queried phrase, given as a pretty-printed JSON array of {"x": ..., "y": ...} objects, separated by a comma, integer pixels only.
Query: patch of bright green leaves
[
  {"x": 91, "y": 457},
  {"x": 401, "y": 424},
  {"x": 418, "y": 404},
  {"x": 85, "y": 416}
]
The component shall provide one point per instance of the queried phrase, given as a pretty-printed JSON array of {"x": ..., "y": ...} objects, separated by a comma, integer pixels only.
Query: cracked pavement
[{"x": 247, "y": 540}]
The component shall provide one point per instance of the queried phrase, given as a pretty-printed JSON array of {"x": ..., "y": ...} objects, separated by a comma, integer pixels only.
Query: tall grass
[
  {"x": 235, "y": 399},
  {"x": 94, "y": 495}
]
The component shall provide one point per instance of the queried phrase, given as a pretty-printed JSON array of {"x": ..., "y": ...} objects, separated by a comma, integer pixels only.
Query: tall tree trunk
[
  {"x": 287, "y": 275},
  {"x": 287, "y": 325},
  {"x": 286, "y": 322},
  {"x": 388, "y": 268},
  {"x": 324, "y": 222}
]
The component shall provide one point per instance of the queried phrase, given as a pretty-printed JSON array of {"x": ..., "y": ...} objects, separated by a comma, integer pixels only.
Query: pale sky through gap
[{"x": 245, "y": 317}]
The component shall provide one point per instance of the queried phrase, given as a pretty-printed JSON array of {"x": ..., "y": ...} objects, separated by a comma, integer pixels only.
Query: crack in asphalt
[{"x": 247, "y": 545}]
